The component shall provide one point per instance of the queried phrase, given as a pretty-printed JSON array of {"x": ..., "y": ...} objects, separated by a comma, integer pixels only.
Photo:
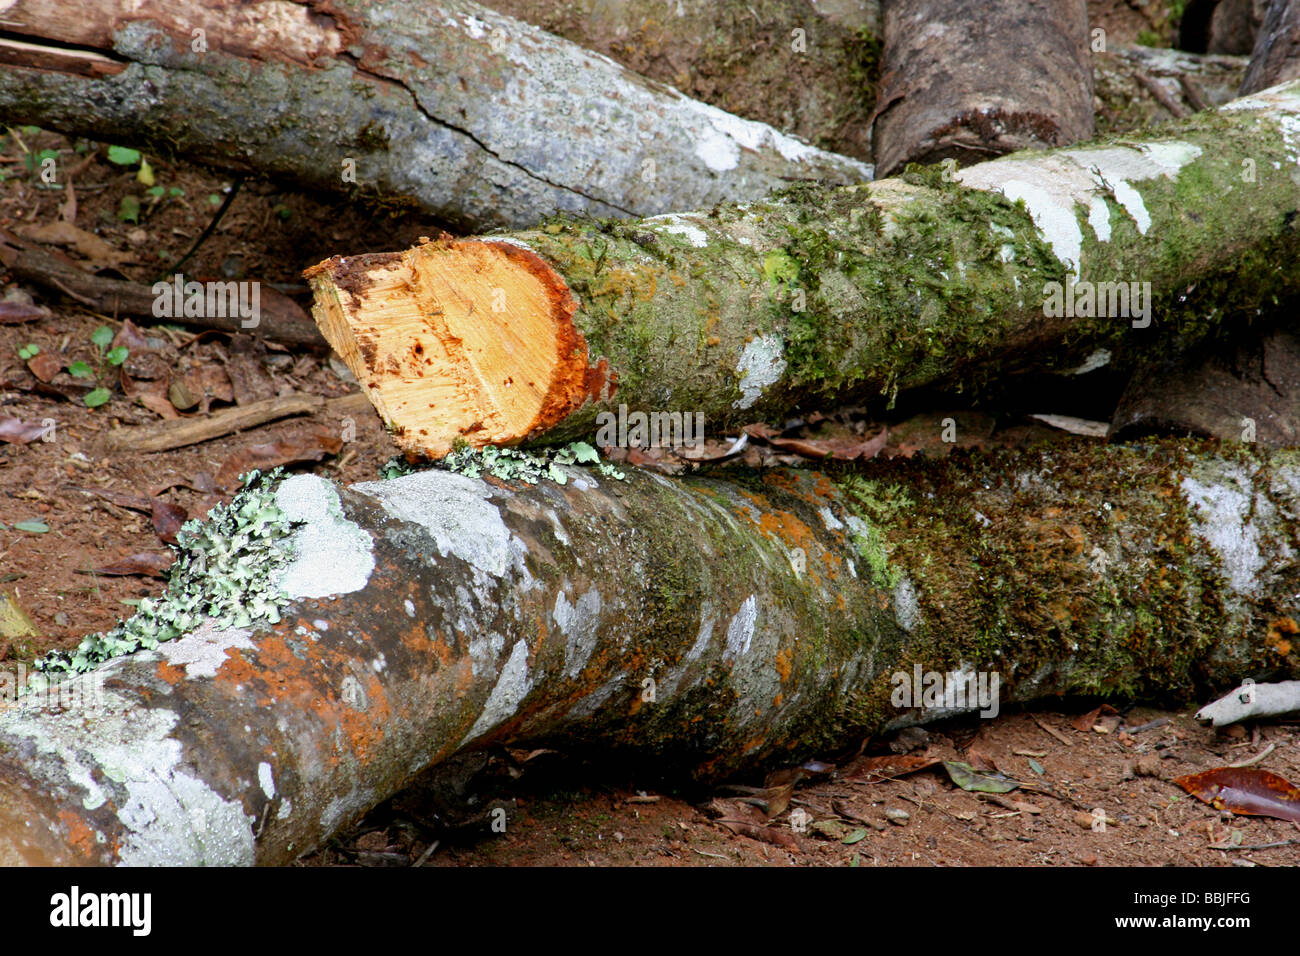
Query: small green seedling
[
  {"x": 27, "y": 351},
  {"x": 105, "y": 358}
]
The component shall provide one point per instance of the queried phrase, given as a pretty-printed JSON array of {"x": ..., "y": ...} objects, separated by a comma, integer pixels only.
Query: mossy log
[
  {"x": 707, "y": 625},
  {"x": 820, "y": 294},
  {"x": 477, "y": 118},
  {"x": 967, "y": 81}
]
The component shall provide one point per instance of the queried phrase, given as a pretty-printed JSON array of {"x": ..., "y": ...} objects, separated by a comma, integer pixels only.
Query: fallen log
[
  {"x": 481, "y": 120},
  {"x": 335, "y": 642},
  {"x": 1276, "y": 56},
  {"x": 804, "y": 68},
  {"x": 745, "y": 313},
  {"x": 967, "y": 81},
  {"x": 1137, "y": 87}
]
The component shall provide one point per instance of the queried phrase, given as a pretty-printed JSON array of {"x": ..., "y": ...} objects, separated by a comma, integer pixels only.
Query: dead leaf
[
  {"x": 964, "y": 776},
  {"x": 45, "y": 365},
  {"x": 748, "y": 821},
  {"x": 18, "y": 432},
  {"x": 1248, "y": 791},
  {"x": 167, "y": 519},
  {"x": 1085, "y": 722},
  {"x": 85, "y": 244},
  {"x": 152, "y": 563},
  {"x": 874, "y": 769},
  {"x": 305, "y": 444},
  {"x": 15, "y": 312}
]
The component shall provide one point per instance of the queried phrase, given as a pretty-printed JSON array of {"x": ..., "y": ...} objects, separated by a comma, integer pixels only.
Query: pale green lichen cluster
[
  {"x": 512, "y": 464},
  {"x": 223, "y": 573}
]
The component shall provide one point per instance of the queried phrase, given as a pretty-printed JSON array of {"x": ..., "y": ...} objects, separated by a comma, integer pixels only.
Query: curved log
[{"x": 707, "y": 624}]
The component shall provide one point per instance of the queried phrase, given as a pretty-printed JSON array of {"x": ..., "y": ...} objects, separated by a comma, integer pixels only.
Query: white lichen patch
[
  {"x": 678, "y": 225},
  {"x": 907, "y": 609},
  {"x": 266, "y": 779},
  {"x": 740, "y": 632},
  {"x": 1225, "y": 519},
  {"x": 511, "y": 688},
  {"x": 169, "y": 817},
  {"x": 455, "y": 510},
  {"x": 828, "y": 518},
  {"x": 205, "y": 649},
  {"x": 579, "y": 623},
  {"x": 331, "y": 554},
  {"x": 1053, "y": 185},
  {"x": 762, "y": 363}
]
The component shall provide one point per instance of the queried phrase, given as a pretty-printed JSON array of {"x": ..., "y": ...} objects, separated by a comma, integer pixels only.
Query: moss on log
[
  {"x": 708, "y": 624},
  {"x": 823, "y": 294}
]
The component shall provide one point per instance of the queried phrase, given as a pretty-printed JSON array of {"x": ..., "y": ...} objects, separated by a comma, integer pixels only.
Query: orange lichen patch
[
  {"x": 459, "y": 339},
  {"x": 170, "y": 673},
  {"x": 783, "y": 663},
  {"x": 1280, "y": 633},
  {"x": 80, "y": 836}
]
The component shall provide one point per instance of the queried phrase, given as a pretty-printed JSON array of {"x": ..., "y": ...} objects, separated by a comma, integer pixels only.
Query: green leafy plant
[
  {"x": 105, "y": 358},
  {"x": 28, "y": 351}
]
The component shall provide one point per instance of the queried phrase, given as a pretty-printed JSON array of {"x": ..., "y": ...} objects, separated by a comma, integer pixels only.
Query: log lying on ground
[
  {"x": 805, "y": 68},
  {"x": 970, "y": 81},
  {"x": 1136, "y": 87},
  {"x": 1276, "y": 57},
  {"x": 746, "y": 313},
  {"x": 703, "y": 624},
  {"x": 480, "y": 119}
]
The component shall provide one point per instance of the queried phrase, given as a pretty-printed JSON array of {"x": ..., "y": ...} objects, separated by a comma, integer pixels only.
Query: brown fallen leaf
[
  {"x": 45, "y": 365},
  {"x": 1248, "y": 791},
  {"x": 18, "y": 432},
  {"x": 1085, "y": 722},
  {"x": 304, "y": 444},
  {"x": 167, "y": 519},
  {"x": 874, "y": 769},
  {"x": 152, "y": 563},
  {"x": 748, "y": 821},
  {"x": 85, "y": 244},
  {"x": 14, "y": 312}
]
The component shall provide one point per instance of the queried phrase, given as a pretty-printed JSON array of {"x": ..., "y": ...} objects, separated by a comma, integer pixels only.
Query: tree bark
[
  {"x": 1126, "y": 81},
  {"x": 480, "y": 119},
  {"x": 805, "y": 68},
  {"x": 970, "y": 81},
  {"x": 752, "y": 312},
  {"x": 1276, "y": 57},
  {"x": 703, "y": 624}
]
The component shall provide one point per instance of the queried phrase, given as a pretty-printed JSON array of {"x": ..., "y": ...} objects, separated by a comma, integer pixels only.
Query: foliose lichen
[
  {"x": 511, "y": 464},
  {"x": 223, "y": 572}
]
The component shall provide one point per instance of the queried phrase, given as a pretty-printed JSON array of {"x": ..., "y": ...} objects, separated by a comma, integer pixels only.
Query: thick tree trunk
[
  {"x": 969, "y": 81},
  {"x": 745, "y": 313},
  {"x": 704, "y": 624},
  {"x": 1276, "y": 57},
  {"x": 805, "y": 68},
  {"x": 480, "y": 119}
]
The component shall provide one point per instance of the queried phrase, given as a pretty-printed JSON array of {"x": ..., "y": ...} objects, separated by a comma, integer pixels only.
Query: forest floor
[{"x": 84, "y": 532}]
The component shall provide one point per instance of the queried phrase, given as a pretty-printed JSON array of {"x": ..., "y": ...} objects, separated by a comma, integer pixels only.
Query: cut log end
[{"x": 458, "y": 339}]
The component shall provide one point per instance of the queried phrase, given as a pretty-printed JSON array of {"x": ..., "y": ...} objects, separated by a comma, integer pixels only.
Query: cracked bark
[
  {"x": 435, "y": 614},
  {"x": 825, "y": 295},
  {"x": 478, "y": 118}
]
